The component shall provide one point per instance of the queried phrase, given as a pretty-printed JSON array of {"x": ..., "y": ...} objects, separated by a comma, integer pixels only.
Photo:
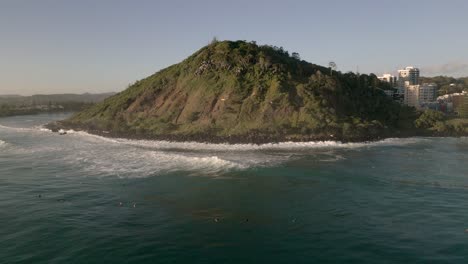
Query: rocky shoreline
[{"x": 251, "y": 138}]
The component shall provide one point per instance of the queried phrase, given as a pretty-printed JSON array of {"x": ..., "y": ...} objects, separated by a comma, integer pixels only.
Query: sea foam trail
[
  {"x": 12, "y": 128},
  {"x": 190, "y": 145},
  {"x": 171, "y": 161},
  {"x": 171, "y": 145},
  {"x": 43, "y": 129},
  {"x": 24, "y": 129},
  {"x": 111, "y": 162},
  {"x": 102, "y": 156}
]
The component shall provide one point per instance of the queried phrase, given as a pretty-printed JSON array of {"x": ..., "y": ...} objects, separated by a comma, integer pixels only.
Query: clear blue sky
[{"x": 52, "y": 46}]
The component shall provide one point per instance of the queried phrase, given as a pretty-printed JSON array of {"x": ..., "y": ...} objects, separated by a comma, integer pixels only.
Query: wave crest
[
  {"x": 189, "y": 145},
  {"x": 148, "y": 163}
]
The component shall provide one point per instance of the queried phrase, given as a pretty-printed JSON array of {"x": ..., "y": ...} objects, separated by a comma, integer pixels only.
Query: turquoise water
[{"x": 394, "y": 201}]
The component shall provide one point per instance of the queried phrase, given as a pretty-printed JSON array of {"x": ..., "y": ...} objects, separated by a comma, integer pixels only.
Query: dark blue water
[{"x": 395, "y": 201}]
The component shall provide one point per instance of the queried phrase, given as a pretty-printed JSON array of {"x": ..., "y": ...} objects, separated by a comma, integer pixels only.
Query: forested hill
[
  {"x": 232, "y": 90},
  {"x": 446, "y": 84}
]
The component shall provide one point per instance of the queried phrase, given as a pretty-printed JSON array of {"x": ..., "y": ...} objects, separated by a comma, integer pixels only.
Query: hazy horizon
[
  {"x": 77, "y": 47},
  {"x": 78, "y": 93}
]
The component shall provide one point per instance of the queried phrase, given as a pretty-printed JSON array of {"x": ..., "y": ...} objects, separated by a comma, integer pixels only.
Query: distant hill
[
  {"x": 24, "y": 105},
  {"x": 446, "y": 84},
  {"x": 9, "y": 96},
  {"x": 53, "y": 98},
  {"x": 237, "y": 91}
]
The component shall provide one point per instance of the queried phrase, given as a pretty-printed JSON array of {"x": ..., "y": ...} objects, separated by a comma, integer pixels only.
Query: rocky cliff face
[{"x": 242, "y": 90}]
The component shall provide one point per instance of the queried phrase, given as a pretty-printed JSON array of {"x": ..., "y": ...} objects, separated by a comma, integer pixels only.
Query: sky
[{"x": 65, "y": 46}]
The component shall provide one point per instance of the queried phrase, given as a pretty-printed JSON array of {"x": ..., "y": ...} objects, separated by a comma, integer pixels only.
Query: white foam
[
  {"x": 142, "y": 163},
  {"x": 100, "y": 138},
  {"x": 9, "y": 128},
  {"x": 39, "y": 128},
  {"x": 43, "y": 129},
  {"x": 171, "y": 145},
  {"x": 7, "y": 148},
  {"x": 331, "y": 157},
  {"x": 101, "y": 156},
  {"x": 19, "y": 129},
  {"x": 172, "y": 161}
]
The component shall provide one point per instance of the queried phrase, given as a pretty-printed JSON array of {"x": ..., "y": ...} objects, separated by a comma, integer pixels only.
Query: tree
[
  {"x": 296, "y": 56},
  {"x": 429, "y": 119},
  {"x": 332, "y": 66},
  {"x": 463, "y": 108}
]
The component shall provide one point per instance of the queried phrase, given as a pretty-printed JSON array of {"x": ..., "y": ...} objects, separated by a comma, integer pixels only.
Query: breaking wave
[
  {"x": 101, "y": 156},
  {"x": 43, "y": 129},
  {"x": 189, "y": 145},
  {"x": 172, "y": 145},
  {"x": 147, "y": 163},
  {"x": 14, "y": 128},
  {"x": 25, "y": 129}
]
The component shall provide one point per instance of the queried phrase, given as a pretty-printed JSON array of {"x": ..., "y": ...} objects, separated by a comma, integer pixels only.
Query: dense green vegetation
[
  {"x": 429, "y": 119},
  {"x": 441, "y": 124},
  {"x": 463, "y": 108},
  {"x": 447, "y": 85},
  {"x": 8, "y": 110},
  {"x": 243, "y": 90}
]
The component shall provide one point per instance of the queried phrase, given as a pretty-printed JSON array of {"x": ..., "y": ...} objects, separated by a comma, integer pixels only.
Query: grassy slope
[{"x": 239, "y": 88}]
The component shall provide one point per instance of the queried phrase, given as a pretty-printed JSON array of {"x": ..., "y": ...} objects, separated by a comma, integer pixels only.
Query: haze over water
[{"x": 393, "y": 201}]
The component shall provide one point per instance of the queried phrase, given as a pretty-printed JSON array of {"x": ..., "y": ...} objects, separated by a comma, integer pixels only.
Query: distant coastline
[
  {"x": 13, "y": 105},
  {"x": 25, "y": 112}
]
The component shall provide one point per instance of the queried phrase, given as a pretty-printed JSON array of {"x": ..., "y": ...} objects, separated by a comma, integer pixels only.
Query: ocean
[{"x": 81, "y": 198}]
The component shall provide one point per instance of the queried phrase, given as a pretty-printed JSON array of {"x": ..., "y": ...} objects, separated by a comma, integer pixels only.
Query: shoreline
[{"x": 256, "y": 139}]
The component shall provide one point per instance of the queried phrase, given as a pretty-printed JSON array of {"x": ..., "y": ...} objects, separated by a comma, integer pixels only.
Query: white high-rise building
[
  {"x": 392, "y": 80},
  {"x": 427, "y": 93},
  {"x": 410, "y": 74},
  {"x": 416, "y": 95},
  {"x": 412, "y": 95}
]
